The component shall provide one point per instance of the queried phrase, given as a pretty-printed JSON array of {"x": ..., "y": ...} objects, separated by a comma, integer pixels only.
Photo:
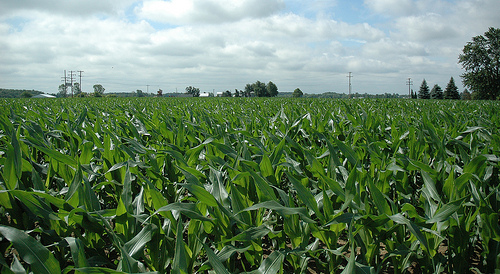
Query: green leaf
[
  {"x": 271, "y": 264},
  {"x": 135, "y": 247},
  {"x": 414, "y": 229},
  {"x": 77, "y": 252},
  {"x": 443, "y": 213},
  {"x": 32, "y": 251},
  {"x": 188, "y": 209},
  {"x": 348, "y": 152},
  {"x": 180, "y": 264},
  {"x": 201, "y": 193},
  {"x": 214, "y": 261},
  {"x": 305, "y": 195},
  {"x": 283, "y": 211},
  {"x": 379, "y": 199},
  {"x": 251, "y": 234}
]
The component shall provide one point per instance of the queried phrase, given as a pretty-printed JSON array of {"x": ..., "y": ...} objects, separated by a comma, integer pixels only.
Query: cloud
[
  {"x": 392, "y": 7},
  {"x": 73, "y": 7},
  {"x": 179, "y": 12}
]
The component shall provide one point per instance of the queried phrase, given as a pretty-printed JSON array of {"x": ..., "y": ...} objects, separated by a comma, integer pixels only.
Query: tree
[
  {"x": 63, "y": 90},
  {"x": 272, "y": 89},
  {"x": 139, "y": 93},
  {"x": 451, "y": 91},
  {"x": 75, "y": 89},
  {"x": 248, "y": 90},
  {"x": 26, "y": 94},
  {"x": 159, "y": 93},
  {"x": 481, "y": 61},
  {"x": 260, "y": 89},
  {"x": 193, "y": 91},
  {"x": 423, "y": 92},
  {"x": 98, "y": 90},
  {"x": 227, "y": 94},
  {"x": 437, "y": 92},
  {"x": 236, "y": 93},
  {"x": 297, "y": 93},
  {"x": 466, "y": 95}
]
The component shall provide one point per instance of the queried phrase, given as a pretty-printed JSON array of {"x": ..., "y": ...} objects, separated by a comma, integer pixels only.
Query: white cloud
[
  {"x": 392, "y": 7},
  {"x": 178, "y": 12}
]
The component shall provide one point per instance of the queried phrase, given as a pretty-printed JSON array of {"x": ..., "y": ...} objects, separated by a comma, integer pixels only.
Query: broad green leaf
[
  {"x": 135, "y": 247},
  {"x": 283, "y": 211},
  {"x": 414, "y": 229},
  {"x": 32, "y": 251},
  {"x": 77, "y": 252},
  {"x": 251, "y": 234},
  {"x": 188, "y": 209},
  {"x": 201, "y": 193},
  {"x": 272, "y": 264},
  {"x": 214, "y": 261},
  {"x": 306, "y": 196},
  {"x": 443, "y": 213},
  {"x": 180, "y": 263}
]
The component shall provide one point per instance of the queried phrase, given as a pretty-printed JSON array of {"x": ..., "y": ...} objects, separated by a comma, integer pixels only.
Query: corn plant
[{"x": 231, "y": 185}]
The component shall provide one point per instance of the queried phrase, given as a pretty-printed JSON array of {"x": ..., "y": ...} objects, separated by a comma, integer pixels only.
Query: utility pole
[
  {"x": 409, "y": 83},
  {"x": 80, "y": 72},
  {"x": 71, "y": 74},
  {"x": 350, "y": 86},
  {"x": 147, "y": 88}
]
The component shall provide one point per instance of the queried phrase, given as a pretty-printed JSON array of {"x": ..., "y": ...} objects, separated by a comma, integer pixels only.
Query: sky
[{"x": 219, "y": 45}]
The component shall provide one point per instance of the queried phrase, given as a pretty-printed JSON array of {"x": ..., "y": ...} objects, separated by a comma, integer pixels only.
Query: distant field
[{"x": 230, "y": 185}]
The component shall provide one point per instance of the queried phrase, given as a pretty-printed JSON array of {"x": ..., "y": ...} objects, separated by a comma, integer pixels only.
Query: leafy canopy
[{"x": 481, "y": 61}]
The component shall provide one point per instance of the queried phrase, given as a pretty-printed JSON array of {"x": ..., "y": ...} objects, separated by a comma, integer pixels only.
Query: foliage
[
  {"x": 76, "y": 89},
  {"x": 259, "y": 185},
  {"x": 62, "y": 90},
  {"x": 423, "y": 92},
  {"x": 260, "y": 89},
  {"x": 481, "y": 61},
  {"x": 193, "y": 91},
  {"x": 16, "y": 93},
  {"x": 26, "y": 95},
  {"x": 139, "y": 93},
  {"x": 451, "y": 91},
  {"x": 98, "y": 90},
  {"x": 297, "y": 93},
  {"x": 436, "y": 92},
  {"x": 466, "y": 95},
  {"x": 272, "y": 89}
]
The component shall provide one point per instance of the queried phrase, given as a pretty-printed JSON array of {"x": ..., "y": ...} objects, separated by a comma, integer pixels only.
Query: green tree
[
  {"x": 272, "y": 89},
  {"x": 26, "y": 94},
  {"x": 193, "y": 91},
  {"x": 297, "y": 93},
  {"x": 451, "y": 91},
  {"x": 248, "y": 90},
  {"x": 98, "y": 90},
  {"x": 260, "y": 89},
  {"x": 466, "y": 95},
  {"x": 63, "y": 90},
  {"x": 423, "y": 92},
  {"x": 139, "y": 93},
  {"x": 481, "y": 61},
  {"x": 236, "y": 93},
  {"x": 227, "y": 94},
  {"x": 437, "y": 92},
  {"x": 75, "y": 89}
]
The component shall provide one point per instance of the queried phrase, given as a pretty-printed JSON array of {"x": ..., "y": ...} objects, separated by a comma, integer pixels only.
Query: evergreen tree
[
  {"x": 423, "y": 92},
  {"x": 437, "y": 92},
  {"x": 466, "y": 95},
  {"x": 451, "y": 91}
]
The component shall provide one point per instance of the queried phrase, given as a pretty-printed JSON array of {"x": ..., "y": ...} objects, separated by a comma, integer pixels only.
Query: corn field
[{"x": 249, "y": 185}]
